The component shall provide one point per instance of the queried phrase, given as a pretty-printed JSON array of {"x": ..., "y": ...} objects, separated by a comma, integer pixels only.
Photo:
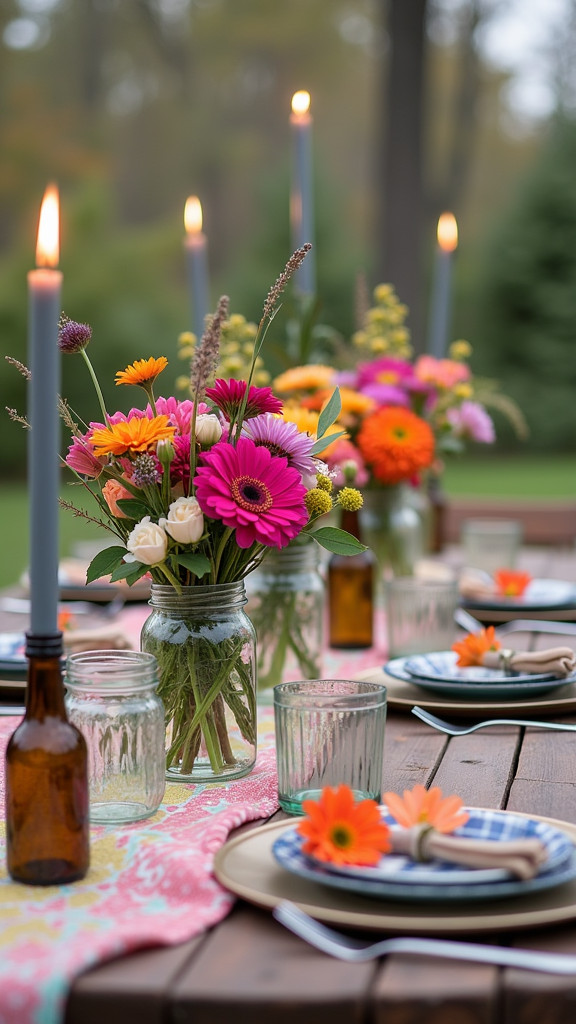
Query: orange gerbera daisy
[
  {"x": 420, "y": 806},
  {"x": 342, "y": 831},
  {"x": 396, "y": 443},
  {"x": 136, "y": 435},
  {"x": 304, "y": 378},
  {"x": 473, "y": 647},
  {"x": 142, "y": 371},
  {"x": 510, "y": 582}
]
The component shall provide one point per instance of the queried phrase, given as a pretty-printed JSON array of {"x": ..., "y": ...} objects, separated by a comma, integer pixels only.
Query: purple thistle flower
[
  {"x": 72, "y": 336},
  {"x": 146, "y": 470}
]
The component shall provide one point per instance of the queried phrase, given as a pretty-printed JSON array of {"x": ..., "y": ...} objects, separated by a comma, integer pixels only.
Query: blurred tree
[{"x": 527, "y": 295}]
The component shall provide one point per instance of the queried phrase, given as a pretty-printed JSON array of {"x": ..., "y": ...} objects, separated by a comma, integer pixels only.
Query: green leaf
[
  {"x": 330, "y": 413},
  {"x": 338, "y": 541},
  {"x": 104, "y": 563},
  {"x": 197, "y": 563},
  {"x": 129, "y": 570},
  {"x": 133, "y": 508},
  {"x": 323, "y": 442}
]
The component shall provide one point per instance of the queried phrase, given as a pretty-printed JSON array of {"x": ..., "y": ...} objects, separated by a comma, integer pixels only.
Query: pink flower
[
  {"x": 180, "y": 465},
  {"x": 285, "y": 440},
  {"x": 442, "y": 373},
  {"x": 81, "y": 457},
  {"x": 470, "y": 420},
  {"x": 228, "y": 395},
  {"x": 250, "y": 490},
  {"x": 179, "y": 413},
  {"x": 341, "y": 453}
]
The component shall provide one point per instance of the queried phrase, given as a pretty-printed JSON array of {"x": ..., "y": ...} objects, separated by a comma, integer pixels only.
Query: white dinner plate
[{"x": 497, "y": 690}]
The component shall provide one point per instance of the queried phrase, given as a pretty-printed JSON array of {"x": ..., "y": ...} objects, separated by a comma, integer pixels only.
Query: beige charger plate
[
  {"x": 246, "y": 867},
  {"x": 402, "y": 696}
]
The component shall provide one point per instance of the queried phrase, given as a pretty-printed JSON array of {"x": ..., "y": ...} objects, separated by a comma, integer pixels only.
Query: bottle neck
[
  {"x": 45, "y": 690},
  {"x": 350, "y": 521}
]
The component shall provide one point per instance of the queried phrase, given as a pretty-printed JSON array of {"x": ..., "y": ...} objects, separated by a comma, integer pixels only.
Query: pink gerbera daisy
[
  {"x": 228, "y": 395},
  {"x": 256, "y": 493},
  {"x": 285, "y": 440}
]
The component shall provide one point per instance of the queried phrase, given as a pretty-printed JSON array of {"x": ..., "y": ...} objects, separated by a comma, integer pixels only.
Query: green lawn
[{"x": 525, "y": 477}]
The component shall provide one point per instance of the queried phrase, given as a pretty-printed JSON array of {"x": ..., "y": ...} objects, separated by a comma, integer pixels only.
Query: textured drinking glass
[
  {"x": 420, "y": 615},
  {"x": 491, "y": 544},
  {"x": 111, "y": 698},
  {"x": 328, "y": 732}
]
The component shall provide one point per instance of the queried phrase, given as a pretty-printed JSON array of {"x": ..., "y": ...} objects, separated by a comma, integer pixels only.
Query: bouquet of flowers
[{"x": 197, "y": 492}]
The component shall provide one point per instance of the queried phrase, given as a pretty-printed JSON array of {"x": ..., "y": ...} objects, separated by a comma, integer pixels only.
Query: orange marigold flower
[
  {"x": 65, "y": 620},
  {"x": 420, "y": 806},
  {"x": 473, "y": 647},
  {"x": 396, "y": 443},
  {"x": 510, "y": 582},
  {"x": 142, "y": 371},
  {"x": 136, "y": 435},
  {"x": 341, "y": 831},
  {"x": 304, "y": 378}
]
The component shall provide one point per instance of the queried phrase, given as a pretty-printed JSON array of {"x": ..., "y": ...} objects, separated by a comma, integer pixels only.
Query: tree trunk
[{"x": 399, "y": 199}]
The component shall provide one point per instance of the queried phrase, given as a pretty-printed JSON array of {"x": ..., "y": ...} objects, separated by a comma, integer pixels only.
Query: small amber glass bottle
[
  {"x": 351, "y": 593},
  {"x": 46, "y": 778}
]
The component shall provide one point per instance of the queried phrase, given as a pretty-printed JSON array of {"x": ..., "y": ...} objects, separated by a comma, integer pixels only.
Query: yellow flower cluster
[
  {"x": 384, "y": 331},
  {"x": 236, "y": 350},
  {"x": 350, "y": 499}
]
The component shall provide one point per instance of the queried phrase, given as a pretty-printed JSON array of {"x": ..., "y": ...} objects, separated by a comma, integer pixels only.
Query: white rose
[
  {"x": 185, "y": 522},
  {"x": 147, "y": 542},
  {"x": 208, "y": 429}
]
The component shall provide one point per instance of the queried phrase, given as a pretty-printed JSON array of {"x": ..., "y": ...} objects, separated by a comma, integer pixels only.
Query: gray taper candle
[
  {"x": 442, "y": 286},
  {"x": 301, "y": 195},
  {"x": 197, "y": 264},
  {"x": 44, "y": 286}
]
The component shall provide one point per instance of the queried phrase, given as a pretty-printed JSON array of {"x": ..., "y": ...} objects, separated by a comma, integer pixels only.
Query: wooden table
[{"x": 250, "y": 970}]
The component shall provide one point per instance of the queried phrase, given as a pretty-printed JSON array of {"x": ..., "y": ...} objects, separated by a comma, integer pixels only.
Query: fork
[
  {"x": 355, "y": 951},
  {"x": 462, "y": 730},
  {"x": 473, "y": 625}
]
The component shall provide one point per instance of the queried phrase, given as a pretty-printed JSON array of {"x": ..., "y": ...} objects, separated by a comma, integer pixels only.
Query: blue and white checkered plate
[
  {"x": 399, "y": 878},
  {"x": 438, "y": 673}
]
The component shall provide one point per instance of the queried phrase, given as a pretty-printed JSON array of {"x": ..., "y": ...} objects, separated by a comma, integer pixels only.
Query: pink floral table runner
[{"x": 149, "y": 884}]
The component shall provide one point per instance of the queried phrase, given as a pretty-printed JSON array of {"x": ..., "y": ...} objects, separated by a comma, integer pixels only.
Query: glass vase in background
[
  {"x": 286, "y": 600},
  {"x": 205, "y": 646},
  {"x": 394, "y": 530}
]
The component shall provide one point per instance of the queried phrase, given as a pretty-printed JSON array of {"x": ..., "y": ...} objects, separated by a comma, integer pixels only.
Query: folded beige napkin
[
  {"x": 107, "y": 638},
  {"x": 521, "y": 857},
  {"x": 559, "y": 661},
  {"x": 476, "y": 585}
]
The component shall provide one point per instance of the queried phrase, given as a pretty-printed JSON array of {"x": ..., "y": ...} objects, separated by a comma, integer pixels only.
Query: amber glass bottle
[
  {"x": 350, "y": 593},
  {"x": 46, "y": 779}
]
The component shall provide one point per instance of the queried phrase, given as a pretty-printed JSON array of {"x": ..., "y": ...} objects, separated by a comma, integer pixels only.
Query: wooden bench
[{"x": 543, "y": 522}]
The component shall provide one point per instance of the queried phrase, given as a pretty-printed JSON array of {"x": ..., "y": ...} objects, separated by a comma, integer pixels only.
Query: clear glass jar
[
  {"x": 205, "y": 646},
  {"x": 393, "y": 529},
  {"x": 111, "y": 698},
  {"x": 286, "y": 601}
]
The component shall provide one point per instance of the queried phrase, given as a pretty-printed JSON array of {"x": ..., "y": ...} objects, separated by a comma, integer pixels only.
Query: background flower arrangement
[{"x": 198, "y": 491}]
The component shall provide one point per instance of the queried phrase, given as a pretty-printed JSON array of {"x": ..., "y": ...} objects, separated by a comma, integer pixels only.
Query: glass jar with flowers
[
  {"x": 198, "y": 492},
  {"x": 402, "y": 417}
]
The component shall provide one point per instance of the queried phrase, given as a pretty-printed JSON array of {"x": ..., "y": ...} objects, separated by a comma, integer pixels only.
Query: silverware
[
  {"x": 356, "y": 951},
  {"x": 472, "y": 625},
  {"x": 462, "y": 730}
]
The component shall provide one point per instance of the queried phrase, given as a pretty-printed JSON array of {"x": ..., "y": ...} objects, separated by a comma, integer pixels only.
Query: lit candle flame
[
  {"x": 193, "y": 215},
  {"x": 48, "y": 247},
  {"x": 301, "y": 102},
  {"x": 447, "y": 232}
]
